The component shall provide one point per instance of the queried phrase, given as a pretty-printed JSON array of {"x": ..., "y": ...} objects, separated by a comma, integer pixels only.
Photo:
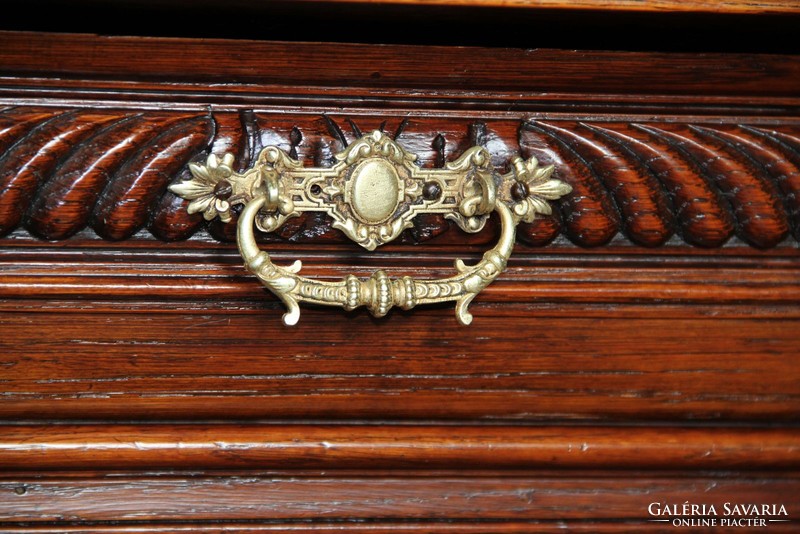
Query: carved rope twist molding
[
  {"x": 75, "y": 171},
  {"x": 372, "y": 193}
]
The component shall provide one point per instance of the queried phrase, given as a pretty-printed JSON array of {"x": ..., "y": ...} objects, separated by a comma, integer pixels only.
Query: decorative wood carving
[{"x": 65, "y": 169}]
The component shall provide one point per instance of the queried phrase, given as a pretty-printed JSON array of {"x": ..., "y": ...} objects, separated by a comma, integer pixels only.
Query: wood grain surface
[
  {"x": 199, "y": 275},
  {"x": 281, "y": 447},
  {"x": 642, "y": 346},
  {"x": 344, "y": 65},
  {"x": 714, "y": 6},
  {"x": 435, "y": 499},
  {"x": 520, "y": 365},
  {"x": 380, "y": 527},
  {"x": 694, "y": 26}
]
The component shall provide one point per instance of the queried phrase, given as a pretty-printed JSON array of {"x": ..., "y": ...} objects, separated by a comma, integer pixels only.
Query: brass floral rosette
[{"x": 372, "y": 193}]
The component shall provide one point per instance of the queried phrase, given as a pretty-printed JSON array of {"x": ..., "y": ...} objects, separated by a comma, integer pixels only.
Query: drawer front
[{"x": 638, "y": 353}]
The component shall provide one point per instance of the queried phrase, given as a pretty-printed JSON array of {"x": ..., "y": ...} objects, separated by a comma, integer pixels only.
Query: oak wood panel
[
  {"x": 521, "y": 366},
  {"x": 383, "y": 527},
  {"x": 310, "y": 447},
  {"x": 713, "y": 6},
  {"x": 380, "y": 527},
  {"x": 430, "y": 498},
  {"x": 373, "y": 527},
  {"x": 546, "y": 26},
  {"x": 398, "y": 66},
  {"x": 214, "y": 279},
  {"x": 108, "y": 91}
]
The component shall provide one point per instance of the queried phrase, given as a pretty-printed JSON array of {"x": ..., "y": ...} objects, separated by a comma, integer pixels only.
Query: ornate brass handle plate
[{"x": 372, "y": 194}]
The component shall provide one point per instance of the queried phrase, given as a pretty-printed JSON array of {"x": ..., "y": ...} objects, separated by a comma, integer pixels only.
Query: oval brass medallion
[{"x": 374, "y": 190}]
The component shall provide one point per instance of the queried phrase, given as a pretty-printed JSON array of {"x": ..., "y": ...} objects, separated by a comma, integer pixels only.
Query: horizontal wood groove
[
  {"x": 372, "y": 527},
  {"x": 539, "y": 527},
  {"x": 93, "y": 447},
  {"x": 216, "y": 277},
  {"x": 34, "y": 90},
  {"x": 660, "y": 6},
  {"x": 322, "y": 499},
  {"x": 556, "y": 526},
  {"x": 398, "y": 65}
]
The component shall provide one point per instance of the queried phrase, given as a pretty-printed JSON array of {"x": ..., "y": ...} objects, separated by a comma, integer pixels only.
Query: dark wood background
[{"x": 642, "y": 346}]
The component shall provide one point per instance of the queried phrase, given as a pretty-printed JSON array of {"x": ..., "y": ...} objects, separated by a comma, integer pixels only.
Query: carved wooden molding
[
  {"x": 63, "y": 170},
  {"x": 347, "y": 446}
]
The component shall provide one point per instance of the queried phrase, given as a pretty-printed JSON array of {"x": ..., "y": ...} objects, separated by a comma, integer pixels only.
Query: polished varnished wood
[
  {"x": 641, "y": 347},
  {"x": 68, "y": 447},
  {"x": 443, "y": 498},
  {"x": 457, "y": 69},
  {"x": 483, "y": 527},
  {"x": 695, "y": 26},
  {"x": 208, "y": 276},
  {"x": 714, "y": 6},
  {"x": 518, "y": 365}
]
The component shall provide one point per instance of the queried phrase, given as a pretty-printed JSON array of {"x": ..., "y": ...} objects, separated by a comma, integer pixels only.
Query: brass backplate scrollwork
[{"x": 372, "y": 193}]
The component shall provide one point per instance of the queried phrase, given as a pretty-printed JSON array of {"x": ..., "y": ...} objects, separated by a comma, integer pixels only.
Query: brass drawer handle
[{"x": 372, "y": 193}]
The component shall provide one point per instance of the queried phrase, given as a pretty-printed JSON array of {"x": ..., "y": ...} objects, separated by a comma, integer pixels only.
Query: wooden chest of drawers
[{"x": 640, "y": 351}]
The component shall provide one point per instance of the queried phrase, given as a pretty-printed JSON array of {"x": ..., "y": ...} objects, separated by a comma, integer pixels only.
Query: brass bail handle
[{"x": 372, "y": 194}]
